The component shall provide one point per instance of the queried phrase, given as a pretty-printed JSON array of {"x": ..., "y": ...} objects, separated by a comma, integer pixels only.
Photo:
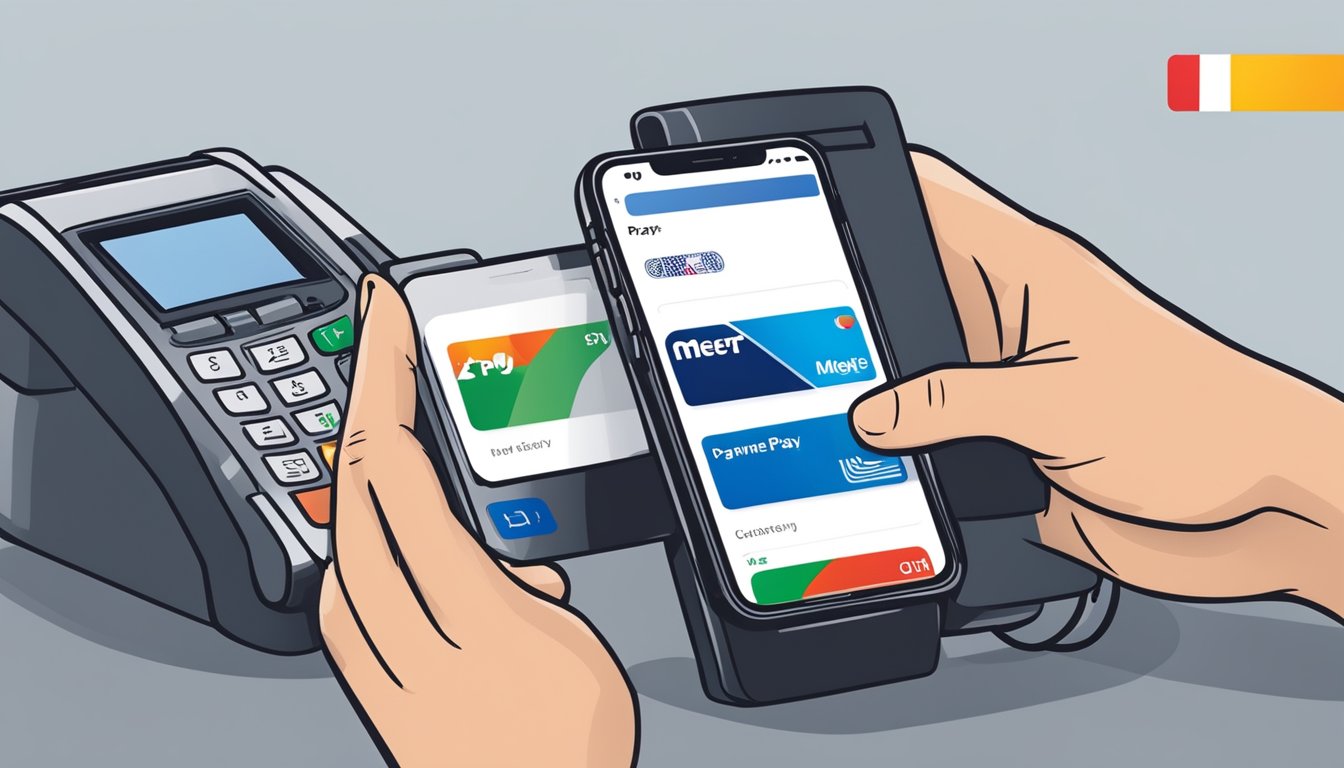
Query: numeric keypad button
[
  {"x": 322, "y": 420},
  {"x": 301, "y": 387},
  {"x": 271, "y": 433},
  {"x": 279, "y": 354},
  {"x": 215, "y": 365},
  {"x": 294, "y": 468},
  {"x": 244, "y": 399}
]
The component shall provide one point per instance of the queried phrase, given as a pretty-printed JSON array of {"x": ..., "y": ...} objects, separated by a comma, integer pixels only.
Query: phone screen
[
  {"x": 761, "y": 334},
  {"x": 523, "y": 356}
]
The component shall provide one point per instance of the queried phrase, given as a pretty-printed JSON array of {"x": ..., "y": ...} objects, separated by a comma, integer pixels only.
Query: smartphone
[
  {"x": 743, "y": 312},
  {"x": 526, "y": 406}
]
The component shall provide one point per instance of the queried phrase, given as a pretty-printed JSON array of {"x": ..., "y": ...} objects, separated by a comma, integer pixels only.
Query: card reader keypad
[{"x": 290, "y": 373}]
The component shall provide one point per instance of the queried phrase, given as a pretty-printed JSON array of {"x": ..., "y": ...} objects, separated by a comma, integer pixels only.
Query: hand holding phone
[
  {"x": 443, "y": 648},
  {"x": 1153, "y": 433}
]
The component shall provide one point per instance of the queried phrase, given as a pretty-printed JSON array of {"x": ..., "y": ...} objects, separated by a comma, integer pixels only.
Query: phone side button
[
  {"x": 604, "y": 273},
  {"x": 629, "y": 327},
  {"x": 627, "y": 316}
]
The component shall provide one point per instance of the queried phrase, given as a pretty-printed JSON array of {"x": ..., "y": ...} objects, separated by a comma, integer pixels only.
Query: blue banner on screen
[
  {"x": 769, "y": 355},
  {"x": 719, "y": 195},
  {"x": 797, "y": 460}
]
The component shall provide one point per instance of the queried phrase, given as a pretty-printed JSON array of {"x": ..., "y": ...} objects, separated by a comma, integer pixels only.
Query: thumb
[
  {"x": 544, "y": 577},
  {"x": 947, "y": 404}
]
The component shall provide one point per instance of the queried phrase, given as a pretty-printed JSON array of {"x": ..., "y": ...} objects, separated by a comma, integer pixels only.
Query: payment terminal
[{"x": 175, "y": 345}]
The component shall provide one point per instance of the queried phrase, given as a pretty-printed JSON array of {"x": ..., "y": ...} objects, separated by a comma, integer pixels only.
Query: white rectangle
[
  {"x": 215, "y": 365},
  {"x": 279, "y": 354},
  {"x": 300, "y": 388},
  {"x": 244, "y": 399},
  {"x": 320, "y": 420},
  {"x": 293, "y": 468},
  {"x": 271, "y": 433},
  {"x": 507, "y": 453},
  {"x": 1215, "y": 82}
]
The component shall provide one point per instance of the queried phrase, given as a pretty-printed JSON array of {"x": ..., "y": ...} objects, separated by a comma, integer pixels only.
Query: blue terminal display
[{"x": 203, "y": 260}]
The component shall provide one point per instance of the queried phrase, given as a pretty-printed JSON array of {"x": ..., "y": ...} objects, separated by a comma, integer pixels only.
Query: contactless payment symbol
[
  {"x": 795, "y": 460},
  {"x": 769, "y": 355},
  {"x": 858, "y": 470},
  {"x": 525, "y": 378}
]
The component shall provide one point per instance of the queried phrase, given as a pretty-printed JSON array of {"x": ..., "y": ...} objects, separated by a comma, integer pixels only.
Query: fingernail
[
  {"x": 366, "y": 287},
  {"x": 877, "y": 414}
]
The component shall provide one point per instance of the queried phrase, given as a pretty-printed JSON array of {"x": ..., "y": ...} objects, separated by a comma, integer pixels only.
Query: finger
[
  {"x": 346, "y": 646},
  {"x": 365, "y": 561},
  {"x": 1250, "y": 558},
  {"x": 384, "y": 468},
  {"x": 382, "y": 395},
  {"x": 1009, "y": 402},
  {"x": 547, "y": 579}
]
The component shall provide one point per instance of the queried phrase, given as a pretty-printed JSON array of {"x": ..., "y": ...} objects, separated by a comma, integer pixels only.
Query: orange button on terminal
[
  {"x": 316, "y": 504},
  {"x": 328, "y": 451}
]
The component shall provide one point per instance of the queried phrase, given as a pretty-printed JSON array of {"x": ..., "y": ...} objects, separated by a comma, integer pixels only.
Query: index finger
[
  {"x": 365, "y": 557},
  {"x": 391, "y": 488},
  {"x": 382, "y": 395}
]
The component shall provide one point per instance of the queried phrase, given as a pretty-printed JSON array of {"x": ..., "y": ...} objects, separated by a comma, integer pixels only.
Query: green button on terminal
[{"x": 334, "y": 337}]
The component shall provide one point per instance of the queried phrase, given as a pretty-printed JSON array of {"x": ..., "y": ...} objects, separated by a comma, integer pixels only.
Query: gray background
[{"x": 442, "y": 125}]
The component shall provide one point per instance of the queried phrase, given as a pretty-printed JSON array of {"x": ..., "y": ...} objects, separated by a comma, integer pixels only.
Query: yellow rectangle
[{"x": 1287, "y": 82}]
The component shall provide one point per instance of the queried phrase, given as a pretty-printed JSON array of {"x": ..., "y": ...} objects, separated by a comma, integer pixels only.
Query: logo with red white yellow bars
[{"x": 1259, "y": 82}]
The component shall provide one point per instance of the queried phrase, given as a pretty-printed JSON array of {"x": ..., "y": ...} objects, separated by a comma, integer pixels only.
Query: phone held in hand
[{"x": 744, "y": 318}]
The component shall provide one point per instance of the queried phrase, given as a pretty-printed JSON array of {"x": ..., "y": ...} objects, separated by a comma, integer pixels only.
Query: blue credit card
[
  {"x": 769, "y": 355},
  {"x": 796, "y": 460}
]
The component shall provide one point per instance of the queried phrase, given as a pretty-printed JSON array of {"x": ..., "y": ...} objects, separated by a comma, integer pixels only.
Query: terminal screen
[{"x": 202, "y": 260}]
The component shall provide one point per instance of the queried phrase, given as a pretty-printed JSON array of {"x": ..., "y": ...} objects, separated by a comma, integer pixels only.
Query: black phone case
[
  {"x": 745, "y": 660},
  {"x": 992, "y": 489}
]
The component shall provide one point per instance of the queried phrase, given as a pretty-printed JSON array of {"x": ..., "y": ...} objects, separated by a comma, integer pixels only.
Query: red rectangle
[{"x": 1183, "y": 83}]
